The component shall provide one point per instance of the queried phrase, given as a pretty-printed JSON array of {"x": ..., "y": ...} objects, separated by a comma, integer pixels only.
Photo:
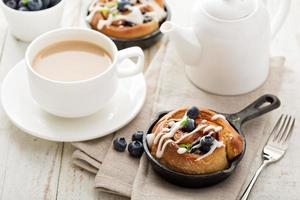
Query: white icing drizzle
[
  {"x": 199, "y": 127},
  {"x": 181, "y": 150},
  {"x": 161, "y": 144},
  {"x": 165, "y": 129},
  {"x": 150, "y": 138},
  {"x": 156, "y": 139},
  {"x": 158, "y": 13},
  {"x": 135, "y": 16},
  {"x": 133, "y": 1},
  {"x": 214, "y": 128},
  {"x": 160, "y": 152},
  {"x": 210, "y": 133},
  {"x": 209, "y": 128},
  {"x": 216, "y": 144},
  {"x": 171, "y": 123},
  {"x": 93, "y": 11},
  {"x": 92, "y": 5},
  {"x": 218, "y": 129},
  {"x": 102, "y": 23},
  {"x": 163, "y": 138},
  {"x": 218, "y": 116}
]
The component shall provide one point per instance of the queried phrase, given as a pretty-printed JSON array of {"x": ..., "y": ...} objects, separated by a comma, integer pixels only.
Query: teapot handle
[{"x": 279, "y": 17}]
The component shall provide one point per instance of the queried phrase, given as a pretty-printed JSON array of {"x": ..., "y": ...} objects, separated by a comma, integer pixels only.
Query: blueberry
[
  {"x": 206, "y": 142},
  {"x": 22, "y": 3},
  {"x": 35, "y": 5},
  {"x": 189, "y": 126},
  {"x": 23, "y": 8},
  {"x": 204, "y": 149},
  {"x": 11, "y": 3},
  {"x": 135, "y": 149},
  {"x": 193, "y": 112},
  {"x": 46, "y": 3},
  {"x": 127, "y": 23},
  {"x": 147, "y": 18},
  {"x": 122, "y": 5},
  {"x": 138, "y": 136},
  {"x": 53, "y": 3},
  {"x": 120, "y": 144}
]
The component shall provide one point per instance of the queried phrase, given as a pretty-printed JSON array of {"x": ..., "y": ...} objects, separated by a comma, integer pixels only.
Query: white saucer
[{"x": 25, "y": 113}]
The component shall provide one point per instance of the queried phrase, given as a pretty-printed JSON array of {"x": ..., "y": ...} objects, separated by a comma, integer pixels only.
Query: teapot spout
[{"x": 186, "y": 42}]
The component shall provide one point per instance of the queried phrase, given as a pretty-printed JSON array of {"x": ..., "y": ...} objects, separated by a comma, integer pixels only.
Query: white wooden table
[{"x": 32, "y": 168}]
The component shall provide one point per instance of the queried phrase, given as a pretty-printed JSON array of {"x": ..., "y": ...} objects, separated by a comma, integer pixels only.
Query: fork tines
[{"x": 282, "y": 130}]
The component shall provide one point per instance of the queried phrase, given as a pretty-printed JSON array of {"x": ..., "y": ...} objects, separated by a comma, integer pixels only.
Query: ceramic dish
[
  {"x": 119, "y": 111},
  {"x": 256, "y": 109},
  {"x": 27, "y": 25},
  {"x": 143, "y": 42}
]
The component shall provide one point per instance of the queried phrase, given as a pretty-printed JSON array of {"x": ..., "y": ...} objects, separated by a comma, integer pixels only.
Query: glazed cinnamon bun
[
  {"x": 126, "y": 19},
  {"x": 194, "y": 141}
]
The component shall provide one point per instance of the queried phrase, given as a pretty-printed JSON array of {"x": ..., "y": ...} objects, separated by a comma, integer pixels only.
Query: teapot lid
[{"x": 229, "y": 9}]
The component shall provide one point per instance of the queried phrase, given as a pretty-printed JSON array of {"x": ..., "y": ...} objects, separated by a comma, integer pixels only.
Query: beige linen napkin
[
  {"x": 169, "y": 89},
  {"x": 91, "y": 155}
]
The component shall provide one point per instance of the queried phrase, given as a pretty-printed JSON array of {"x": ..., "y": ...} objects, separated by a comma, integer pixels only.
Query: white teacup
[{"x": 83, "y": 97}]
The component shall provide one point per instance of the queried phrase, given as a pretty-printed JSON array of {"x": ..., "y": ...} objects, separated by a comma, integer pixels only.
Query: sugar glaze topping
[
  {"x": 218, "y": 116},
  {"x": 164, "y": 137}
]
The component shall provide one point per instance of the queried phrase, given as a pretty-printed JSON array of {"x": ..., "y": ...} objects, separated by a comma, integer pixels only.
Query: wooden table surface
[{"x": 33, "y": 168}]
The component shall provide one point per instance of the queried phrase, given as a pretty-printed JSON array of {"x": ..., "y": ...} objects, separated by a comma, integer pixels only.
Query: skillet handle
[{"x": 257, "y": 108}]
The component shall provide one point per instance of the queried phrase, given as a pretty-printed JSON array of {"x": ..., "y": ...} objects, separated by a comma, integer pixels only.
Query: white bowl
[{"x": 27, "y": 25}]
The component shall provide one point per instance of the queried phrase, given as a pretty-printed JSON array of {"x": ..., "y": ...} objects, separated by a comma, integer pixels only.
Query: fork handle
[{"x": 253, "y": 180}]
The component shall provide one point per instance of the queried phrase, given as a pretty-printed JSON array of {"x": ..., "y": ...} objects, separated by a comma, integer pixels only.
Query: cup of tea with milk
[{"x": 74, "y": 72}]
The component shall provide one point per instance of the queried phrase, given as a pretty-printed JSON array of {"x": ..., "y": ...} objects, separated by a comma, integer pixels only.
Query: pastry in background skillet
[
  {"x": 126, "y": 19},
  {"x": 194, "y": 141}
]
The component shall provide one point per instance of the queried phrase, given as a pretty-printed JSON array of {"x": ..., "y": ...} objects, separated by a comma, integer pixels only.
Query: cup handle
[{"x": 126, "y": 67}]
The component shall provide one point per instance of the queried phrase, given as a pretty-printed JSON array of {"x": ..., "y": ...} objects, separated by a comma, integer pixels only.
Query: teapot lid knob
[{"x": 229, "y": 9}]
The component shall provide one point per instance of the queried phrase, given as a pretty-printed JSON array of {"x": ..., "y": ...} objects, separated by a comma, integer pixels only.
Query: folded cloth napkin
[
  {"x": 168, "y": 88},
  {"x": 91, "y": 155}
]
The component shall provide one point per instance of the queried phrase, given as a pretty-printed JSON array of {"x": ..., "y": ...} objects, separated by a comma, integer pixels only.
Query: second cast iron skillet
[{"x": 262, "y": 105}]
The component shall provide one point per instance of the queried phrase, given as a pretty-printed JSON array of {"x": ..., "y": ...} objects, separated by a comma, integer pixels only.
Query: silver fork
[{"x": 275, "y": 147}]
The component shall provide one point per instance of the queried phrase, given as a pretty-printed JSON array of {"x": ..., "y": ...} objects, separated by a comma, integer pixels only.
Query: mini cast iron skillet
[
  {"x": 262, "y": 105},
  {"x": 143, "y": 42}
]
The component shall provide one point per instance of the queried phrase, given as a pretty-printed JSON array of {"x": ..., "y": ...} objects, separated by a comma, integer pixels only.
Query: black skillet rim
[
  {"x": 140, "y": 39},
  {"x": 233, "y": 164}
]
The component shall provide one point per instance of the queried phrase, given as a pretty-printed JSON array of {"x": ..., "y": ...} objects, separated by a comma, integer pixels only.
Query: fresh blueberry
[
  {"x": 193, "y": 112},
  {"x": 127, "y": 23},
  {"x": 53, "y": 3},
  {"x": 189, "y": 126},
  {"x": 122, "y": 5},
  {"x": 120, "y": 144},
  {"x": 46, "y": 3},
  {"x": 135, "y": 149},
  {"x": 147, "y": 18},
  {"x": 35, "y": 5},
  {"x": 23, "y": 8},
  {"x": 138, "y": 136},
  {"x": 22, "y": 3},
  {"x": 11, "y": 3},
  {"x": 206, "y": 142}
]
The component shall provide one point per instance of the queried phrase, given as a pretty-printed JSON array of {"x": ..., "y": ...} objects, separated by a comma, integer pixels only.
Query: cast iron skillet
[
  {"x": 143, "y": 42},
  {"x": 262, "y": 105}
]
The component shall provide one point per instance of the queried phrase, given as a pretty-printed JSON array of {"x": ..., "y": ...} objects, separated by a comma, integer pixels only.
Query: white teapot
[{"x": 226, "y": 50}]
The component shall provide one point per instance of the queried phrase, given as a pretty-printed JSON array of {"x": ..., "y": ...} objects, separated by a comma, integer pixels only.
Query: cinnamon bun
[
  {"x": 126, "y": 19},
  {"x": 194, "y": 141}
]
